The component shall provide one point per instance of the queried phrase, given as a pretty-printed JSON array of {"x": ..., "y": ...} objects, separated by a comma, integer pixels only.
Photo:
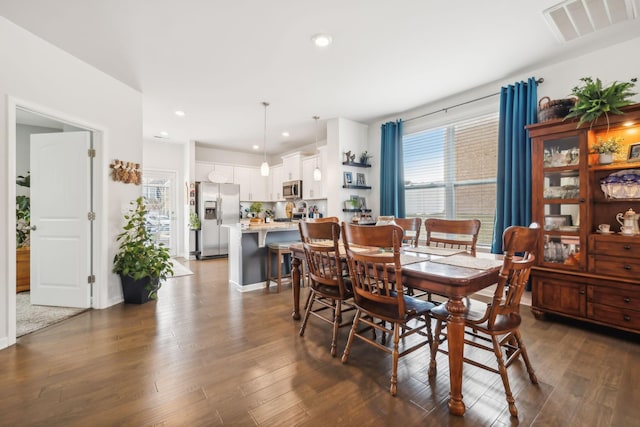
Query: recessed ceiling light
[
  {"x": 255, "y": 147},
  {"x": 180, "y": 113},
  {"x": 164, "y": 134},
  {"x": 322, "y": 40},
  {"x": 285, "y": 134}
]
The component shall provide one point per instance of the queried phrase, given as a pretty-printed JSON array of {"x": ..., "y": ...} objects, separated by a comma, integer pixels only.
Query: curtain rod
[{"x": 538, "y": 81}]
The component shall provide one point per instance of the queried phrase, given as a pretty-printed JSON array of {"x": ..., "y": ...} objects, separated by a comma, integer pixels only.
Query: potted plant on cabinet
[
  {"x": 141, "y": 263},
  {"x": 606, "y": 148},
  {"x": 594, "y": 100}
]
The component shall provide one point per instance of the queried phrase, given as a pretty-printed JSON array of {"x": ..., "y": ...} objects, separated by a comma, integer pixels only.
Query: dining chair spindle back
[
  {"x": 373, "y": 256},
  {"x": 329, "y": 285},
  {"x": 498, "y": 322}
]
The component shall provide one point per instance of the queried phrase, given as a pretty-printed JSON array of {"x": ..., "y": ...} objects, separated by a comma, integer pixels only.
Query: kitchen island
[{"x": 248, "y": 247}]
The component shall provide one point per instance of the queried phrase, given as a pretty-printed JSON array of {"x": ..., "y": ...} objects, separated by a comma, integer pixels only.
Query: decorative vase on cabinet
[{"x": 605, "y": 158}]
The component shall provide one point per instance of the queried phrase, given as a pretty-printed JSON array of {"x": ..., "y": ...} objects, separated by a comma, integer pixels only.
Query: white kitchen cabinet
[
  {"x": 223, "y": 173},
  {"x": 275, "y": 183},
  {"x": 291, "y": 167},
  {"x": 310, "y": 189},
  {"x": 253, "y": 186}
]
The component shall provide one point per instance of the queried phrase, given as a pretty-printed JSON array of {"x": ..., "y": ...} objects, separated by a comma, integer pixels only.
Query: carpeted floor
[
  {"x": 30, "y": 318},
  {"x": 179, "y": 269}
]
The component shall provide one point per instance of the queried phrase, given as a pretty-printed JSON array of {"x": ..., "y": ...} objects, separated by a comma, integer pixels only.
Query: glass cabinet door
[{"x": 562, "y": 202}]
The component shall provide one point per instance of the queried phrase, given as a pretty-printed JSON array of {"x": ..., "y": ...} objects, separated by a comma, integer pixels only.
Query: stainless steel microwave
[{"x": 292, "y": 189}]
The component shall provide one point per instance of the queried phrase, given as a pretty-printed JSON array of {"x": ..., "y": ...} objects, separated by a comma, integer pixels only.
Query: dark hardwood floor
[{"x": 204, "y": 355}]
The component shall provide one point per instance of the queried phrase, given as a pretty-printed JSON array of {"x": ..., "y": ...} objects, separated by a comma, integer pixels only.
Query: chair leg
[
  {"x": 306, "y": 304},
  {"x": 525, "y": 357},
  {"x": 268, "y": 270},
  {"x": 352, "y": 332},
  {"x": 503, "y": 374},
  {"x": 280, "y": 262},
  {"x": 336, "y": 324},
  {"x": 394, "y": 356},
  {"x": 307, "y": 311},
  {"x": 435, "y": 343}
]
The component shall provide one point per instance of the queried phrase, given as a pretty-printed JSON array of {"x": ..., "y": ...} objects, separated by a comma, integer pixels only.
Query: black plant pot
[{"x": 135, "y": 291}]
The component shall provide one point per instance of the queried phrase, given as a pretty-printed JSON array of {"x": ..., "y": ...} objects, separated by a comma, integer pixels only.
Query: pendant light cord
[{"x": 264, "y": 140}]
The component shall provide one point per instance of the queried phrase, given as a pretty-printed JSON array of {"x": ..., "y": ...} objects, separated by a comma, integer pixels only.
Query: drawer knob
[
  {"x": 627, "y": 300},
  {"x": 627, "y": 267},
  {"x": 627, "y": 318},
  {"x": 627, "y": 247},
  {"x": 582, "y": 292}
]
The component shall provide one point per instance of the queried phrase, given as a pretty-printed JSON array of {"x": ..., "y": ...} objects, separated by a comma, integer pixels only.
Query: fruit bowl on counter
[{"x": 624, "y": 184}]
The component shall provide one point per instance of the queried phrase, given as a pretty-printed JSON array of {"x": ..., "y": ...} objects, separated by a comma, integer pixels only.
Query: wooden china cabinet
[{"x": 581, "y": 272}]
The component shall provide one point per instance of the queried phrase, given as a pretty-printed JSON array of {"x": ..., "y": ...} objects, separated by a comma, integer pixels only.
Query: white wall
[
  {"x": 36, "y": 74},
  {"x": 620, "y": 62}
]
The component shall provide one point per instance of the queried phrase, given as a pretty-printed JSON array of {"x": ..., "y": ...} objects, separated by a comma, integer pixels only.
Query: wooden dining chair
[
  {"x": 329, "y": 286},
  {"x": 454, "y": 234},
  {"x": 411, "y": 227},
  {"x": 498, "y": 322},
  {"x": 450, "y": 234},
  {"x": 325, "y": 219},
  {"x": 373, "y": 256}
]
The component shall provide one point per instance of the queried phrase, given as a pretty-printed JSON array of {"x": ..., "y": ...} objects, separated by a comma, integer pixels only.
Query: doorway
[{"x": 30, "y": 124}]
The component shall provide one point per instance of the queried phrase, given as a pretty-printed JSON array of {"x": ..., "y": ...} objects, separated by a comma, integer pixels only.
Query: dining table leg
[
  {"x": 295, "y": 285},
  {"x": 455, "y": 337}
]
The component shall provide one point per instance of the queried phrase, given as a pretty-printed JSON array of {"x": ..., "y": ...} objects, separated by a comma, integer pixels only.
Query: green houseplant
[
  {"x": 194, "y": 221},
  {"x": 594, "y": 100},
  {"x": 141, "y": 263},
  {"x": 606, "y": 148},
  {"x": 23, "y": 213}
]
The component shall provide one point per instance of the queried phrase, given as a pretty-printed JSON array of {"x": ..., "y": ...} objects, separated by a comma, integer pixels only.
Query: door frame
[{"x": 99, "y": 181}]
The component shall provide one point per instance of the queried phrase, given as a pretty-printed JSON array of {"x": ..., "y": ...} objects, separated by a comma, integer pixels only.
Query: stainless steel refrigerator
[{"x": 216, "y": 204}]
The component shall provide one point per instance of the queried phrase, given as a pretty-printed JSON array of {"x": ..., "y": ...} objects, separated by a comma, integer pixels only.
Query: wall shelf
[
  {"x": 357, "y": 164},
  {"x": 357, "y": 187},
  {"x": 356, "y": 210}
]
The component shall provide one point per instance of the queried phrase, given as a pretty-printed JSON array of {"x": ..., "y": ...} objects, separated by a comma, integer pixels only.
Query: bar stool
[{"x": 280, "y": 250}]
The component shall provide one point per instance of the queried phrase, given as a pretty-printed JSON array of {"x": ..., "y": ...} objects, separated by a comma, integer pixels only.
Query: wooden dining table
[{"x": 453, "y": 275}]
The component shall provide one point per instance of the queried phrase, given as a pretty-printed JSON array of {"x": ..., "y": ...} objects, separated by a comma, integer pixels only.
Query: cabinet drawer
[
  {"x": 616, "y": 247},
  {"x": 628, "y": 268},
  {"x": 615, "y": 316},
  {"x": 623, "y": 298}
]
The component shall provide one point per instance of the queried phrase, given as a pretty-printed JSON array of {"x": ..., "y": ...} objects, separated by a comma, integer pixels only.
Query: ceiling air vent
[{"x": 575, "y": 18}]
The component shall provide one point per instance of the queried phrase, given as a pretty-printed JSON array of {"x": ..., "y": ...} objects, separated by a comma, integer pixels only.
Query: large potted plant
[
  {"x": 23, "y": 229},
  {"x": 594, "y": 100},
  {"x": 141, "y": 262}
]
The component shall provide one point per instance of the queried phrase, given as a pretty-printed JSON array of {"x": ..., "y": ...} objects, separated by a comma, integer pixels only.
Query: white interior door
[{"x": 61, "y": 231}]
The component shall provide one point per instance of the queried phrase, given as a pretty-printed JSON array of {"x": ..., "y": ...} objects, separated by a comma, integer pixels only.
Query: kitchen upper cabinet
[
  {"x": 275, "y": 183},
  {"x": 291, "y": 167},
  {"x": 253, "y": 186},
  {"x": 312, "y": 189},
  {"x": 222, "y": 173}
]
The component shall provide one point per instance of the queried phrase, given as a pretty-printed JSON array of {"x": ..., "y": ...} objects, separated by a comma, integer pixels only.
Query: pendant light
[
  {"x": 317, "y": 173},
  {"x": 264, "y": 168}
]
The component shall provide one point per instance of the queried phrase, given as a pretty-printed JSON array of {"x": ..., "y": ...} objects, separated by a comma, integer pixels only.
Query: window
[{"x": 450, "y": 172}]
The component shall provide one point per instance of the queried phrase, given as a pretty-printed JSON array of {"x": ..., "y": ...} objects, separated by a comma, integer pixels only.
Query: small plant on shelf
[{"x": 607, "y": 146}]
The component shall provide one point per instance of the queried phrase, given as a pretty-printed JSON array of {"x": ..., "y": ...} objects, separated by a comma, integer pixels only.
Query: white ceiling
[{"x": 218, "y": 60}]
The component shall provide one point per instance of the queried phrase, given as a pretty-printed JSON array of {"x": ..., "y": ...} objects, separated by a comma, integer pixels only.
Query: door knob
[{"x": 33, "y": 228}]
